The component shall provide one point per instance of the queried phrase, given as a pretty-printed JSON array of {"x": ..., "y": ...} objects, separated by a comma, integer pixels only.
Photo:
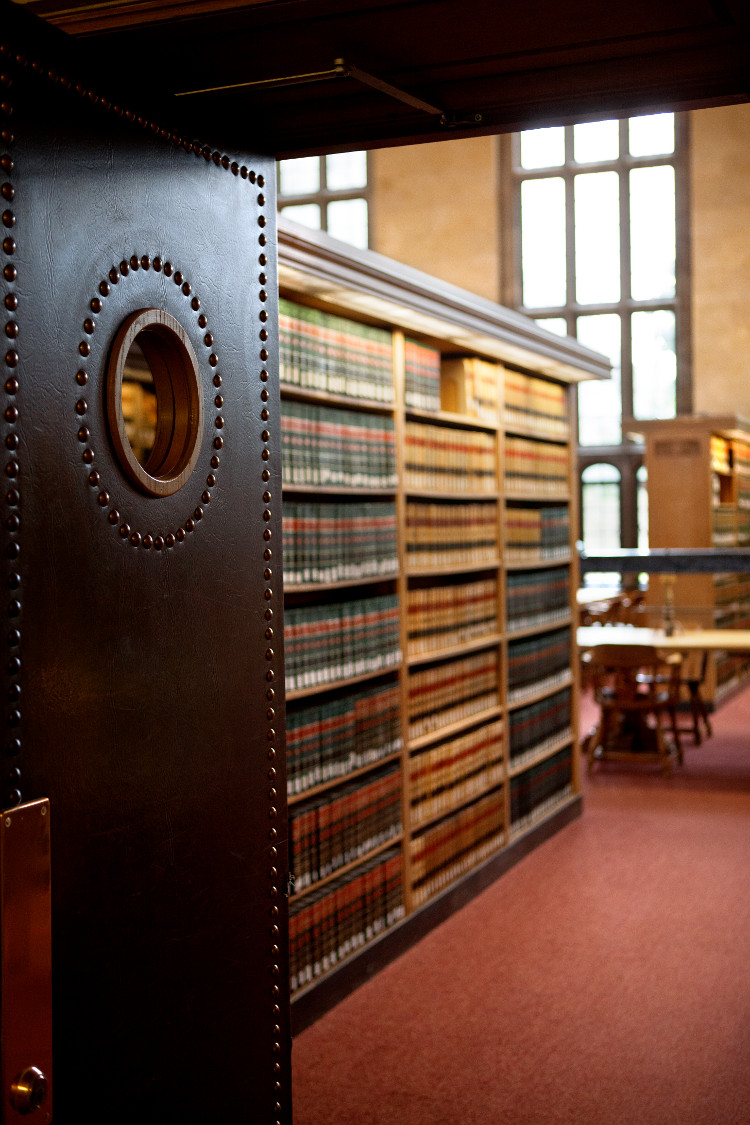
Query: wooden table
[
  {"x": 693, "y": 640},
  {"x": 685, "y": 643}
]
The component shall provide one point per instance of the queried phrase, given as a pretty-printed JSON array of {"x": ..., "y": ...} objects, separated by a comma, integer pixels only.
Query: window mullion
[
  {"x": 626, "y": 369},
  {"x": 570, "y": 225}
]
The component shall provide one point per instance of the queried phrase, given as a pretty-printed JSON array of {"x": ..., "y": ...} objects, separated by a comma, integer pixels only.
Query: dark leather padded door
[{"x": 144, "y": 675}]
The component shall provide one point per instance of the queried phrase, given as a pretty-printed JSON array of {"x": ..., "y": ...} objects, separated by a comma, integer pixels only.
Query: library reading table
[{"x": 694, "y": 640}]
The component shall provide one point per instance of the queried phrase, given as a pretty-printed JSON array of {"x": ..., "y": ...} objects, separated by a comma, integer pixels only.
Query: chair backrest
[
  {"x": 631, "y": 673},
  {"x": 624, "y": 656}
]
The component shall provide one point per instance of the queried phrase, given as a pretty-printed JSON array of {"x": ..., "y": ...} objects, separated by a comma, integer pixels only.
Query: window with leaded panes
[{"x": 596, "y": 218}]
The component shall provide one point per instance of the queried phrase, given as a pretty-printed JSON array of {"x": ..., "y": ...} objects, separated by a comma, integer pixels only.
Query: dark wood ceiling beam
[{"x": 497, "y": 67}]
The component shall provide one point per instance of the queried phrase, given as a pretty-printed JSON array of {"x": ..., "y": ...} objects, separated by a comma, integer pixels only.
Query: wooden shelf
[
  {"x": 485, "y": 655},
  {"x": 418, "y": 826},
  {"x": 547, "y": 687},
  {"x": 536, "y": 818},
  {"x": 531, "y": 757},
  {"x": 457, "y": 568},
  {"x": 309, "y": 394},
  {"x": 446, "y": 418},
  {"x": 455, "y": 497},
  {"x": 345, "y": 584},
  {"x": 540, "y": 627},
  {"x": 334, "y": 490},
  {"x": 344, "y": 779},
  {"x": 538, "y": 564},
  {"x": 455, "y": 650},
  {"x": 439, "y": 733},
  {"x": 351, "y": 681},
  {"x": 686, "y": 461},
  {"x": 519, "y": 430},
  {"x": 346, "y": 868},
  {"x": 563, "y": 496}
]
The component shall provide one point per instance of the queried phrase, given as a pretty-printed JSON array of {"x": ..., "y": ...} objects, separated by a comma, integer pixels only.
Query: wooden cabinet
[
  {"x": 698, "y": 470},
  {"x": 430, "y": 583}
]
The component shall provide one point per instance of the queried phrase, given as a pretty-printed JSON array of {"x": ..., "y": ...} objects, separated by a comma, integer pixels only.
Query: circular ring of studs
[
  {"x": 84, "y": 348},
  {"x": 158, "y": 541},
  {"x": 11, "y": 790}
]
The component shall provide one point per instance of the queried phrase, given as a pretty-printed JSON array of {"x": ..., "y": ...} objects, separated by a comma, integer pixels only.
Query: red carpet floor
[{"x": 605, "y": 980}]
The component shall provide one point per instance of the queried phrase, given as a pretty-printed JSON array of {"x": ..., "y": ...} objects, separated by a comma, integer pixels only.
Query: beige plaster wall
[
  {"x": 720, "y": 222},
  {"x": 435, "y": 208}
]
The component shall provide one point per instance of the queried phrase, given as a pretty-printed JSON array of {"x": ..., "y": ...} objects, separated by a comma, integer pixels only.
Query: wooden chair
[
  {"x": 692, "y": 677},
  {"x": 637, "y": 691}
]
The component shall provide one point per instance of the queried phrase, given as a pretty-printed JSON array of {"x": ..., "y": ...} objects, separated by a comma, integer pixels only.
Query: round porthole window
[{"x": 155, "y": 401}]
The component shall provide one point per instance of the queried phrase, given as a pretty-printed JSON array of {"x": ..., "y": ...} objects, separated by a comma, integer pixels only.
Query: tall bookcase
[
  {"x": 430, "y": 578},
  {"x": 698, "y": 469}
]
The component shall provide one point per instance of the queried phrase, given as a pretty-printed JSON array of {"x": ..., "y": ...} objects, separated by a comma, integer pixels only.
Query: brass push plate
[{"x": 26, "y": 963}]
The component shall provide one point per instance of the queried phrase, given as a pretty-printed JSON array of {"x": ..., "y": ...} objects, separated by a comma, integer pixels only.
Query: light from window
[
  {"x": 543, "y": 148},
  {"x": 652, "y": 232},
  {"x": 327, "y": 193},
  {"x": 300, "y": 176},
  {"x": 556, "y": 324},
  {"x": 346, "y": 171},
  {"x": 347, "y": 220},
  {"x": 597, "y": 232},
  {"x": 600, "y": 517},
  {"x": 642, "y": 500},
  {"x": 599, "y": 404},
  {"x": 596, "y": 141},
  {"x": 308, "y": 214},
  {"x": 652, "y": 135},
  {"x": 543, "y": 242},
  {"x": 654, "y": 364}
]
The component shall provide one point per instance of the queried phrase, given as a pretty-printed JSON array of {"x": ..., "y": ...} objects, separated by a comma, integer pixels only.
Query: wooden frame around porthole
[{"x": 179, "y": 401}]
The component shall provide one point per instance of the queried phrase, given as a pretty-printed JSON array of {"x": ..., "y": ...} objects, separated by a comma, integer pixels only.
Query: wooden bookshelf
[
  {"x": 466, "y": 460},
  {"x": 698, "y": 469}
]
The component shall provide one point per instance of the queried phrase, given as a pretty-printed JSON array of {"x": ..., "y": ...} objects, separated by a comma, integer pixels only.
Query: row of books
[
  {"x": 723, "y": 532},
  {"x": 538, "y": 789},
  {"x": 339, "y": 542},
  {"x": 451, "y": 773},
  {"x": 535, "y": 467},
  {"x": 339, "y": 640},
  {"x": 422, "y": 376},
  {"x": 720, "y": 454},
  {"x": 536, "y": 403},
  {"x": 336, "y": 448},
  {"x": 741, "y": 456},
  {"x": 450, "y": 534},
  {"x": 438, "y": 458},
  {"x": 324, "y": 352},
  {"x": 453, "y": 690},
  {"x": 471, "y": 386},
  {"x": 534, "y": 660},
  {"x": 537, "y": 597},
  {"x": 447, "y": 850},
  {"x": 731, "y": 669},
  {"x": 538, "y": 724},
  {"x": 536, "y": 533},
  {"x": 332, "y": 739},
  {"x": 334, "y": 921},
  {"x": 343, "y": 825},
  {"x": 731, "y": 587},
  {"x": 439, "y": 617}
]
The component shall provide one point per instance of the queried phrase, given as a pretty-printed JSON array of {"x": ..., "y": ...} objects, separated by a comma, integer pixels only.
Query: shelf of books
[
  {"x": 429, "y": 584},
  {"x": 699, "y": 477}
]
